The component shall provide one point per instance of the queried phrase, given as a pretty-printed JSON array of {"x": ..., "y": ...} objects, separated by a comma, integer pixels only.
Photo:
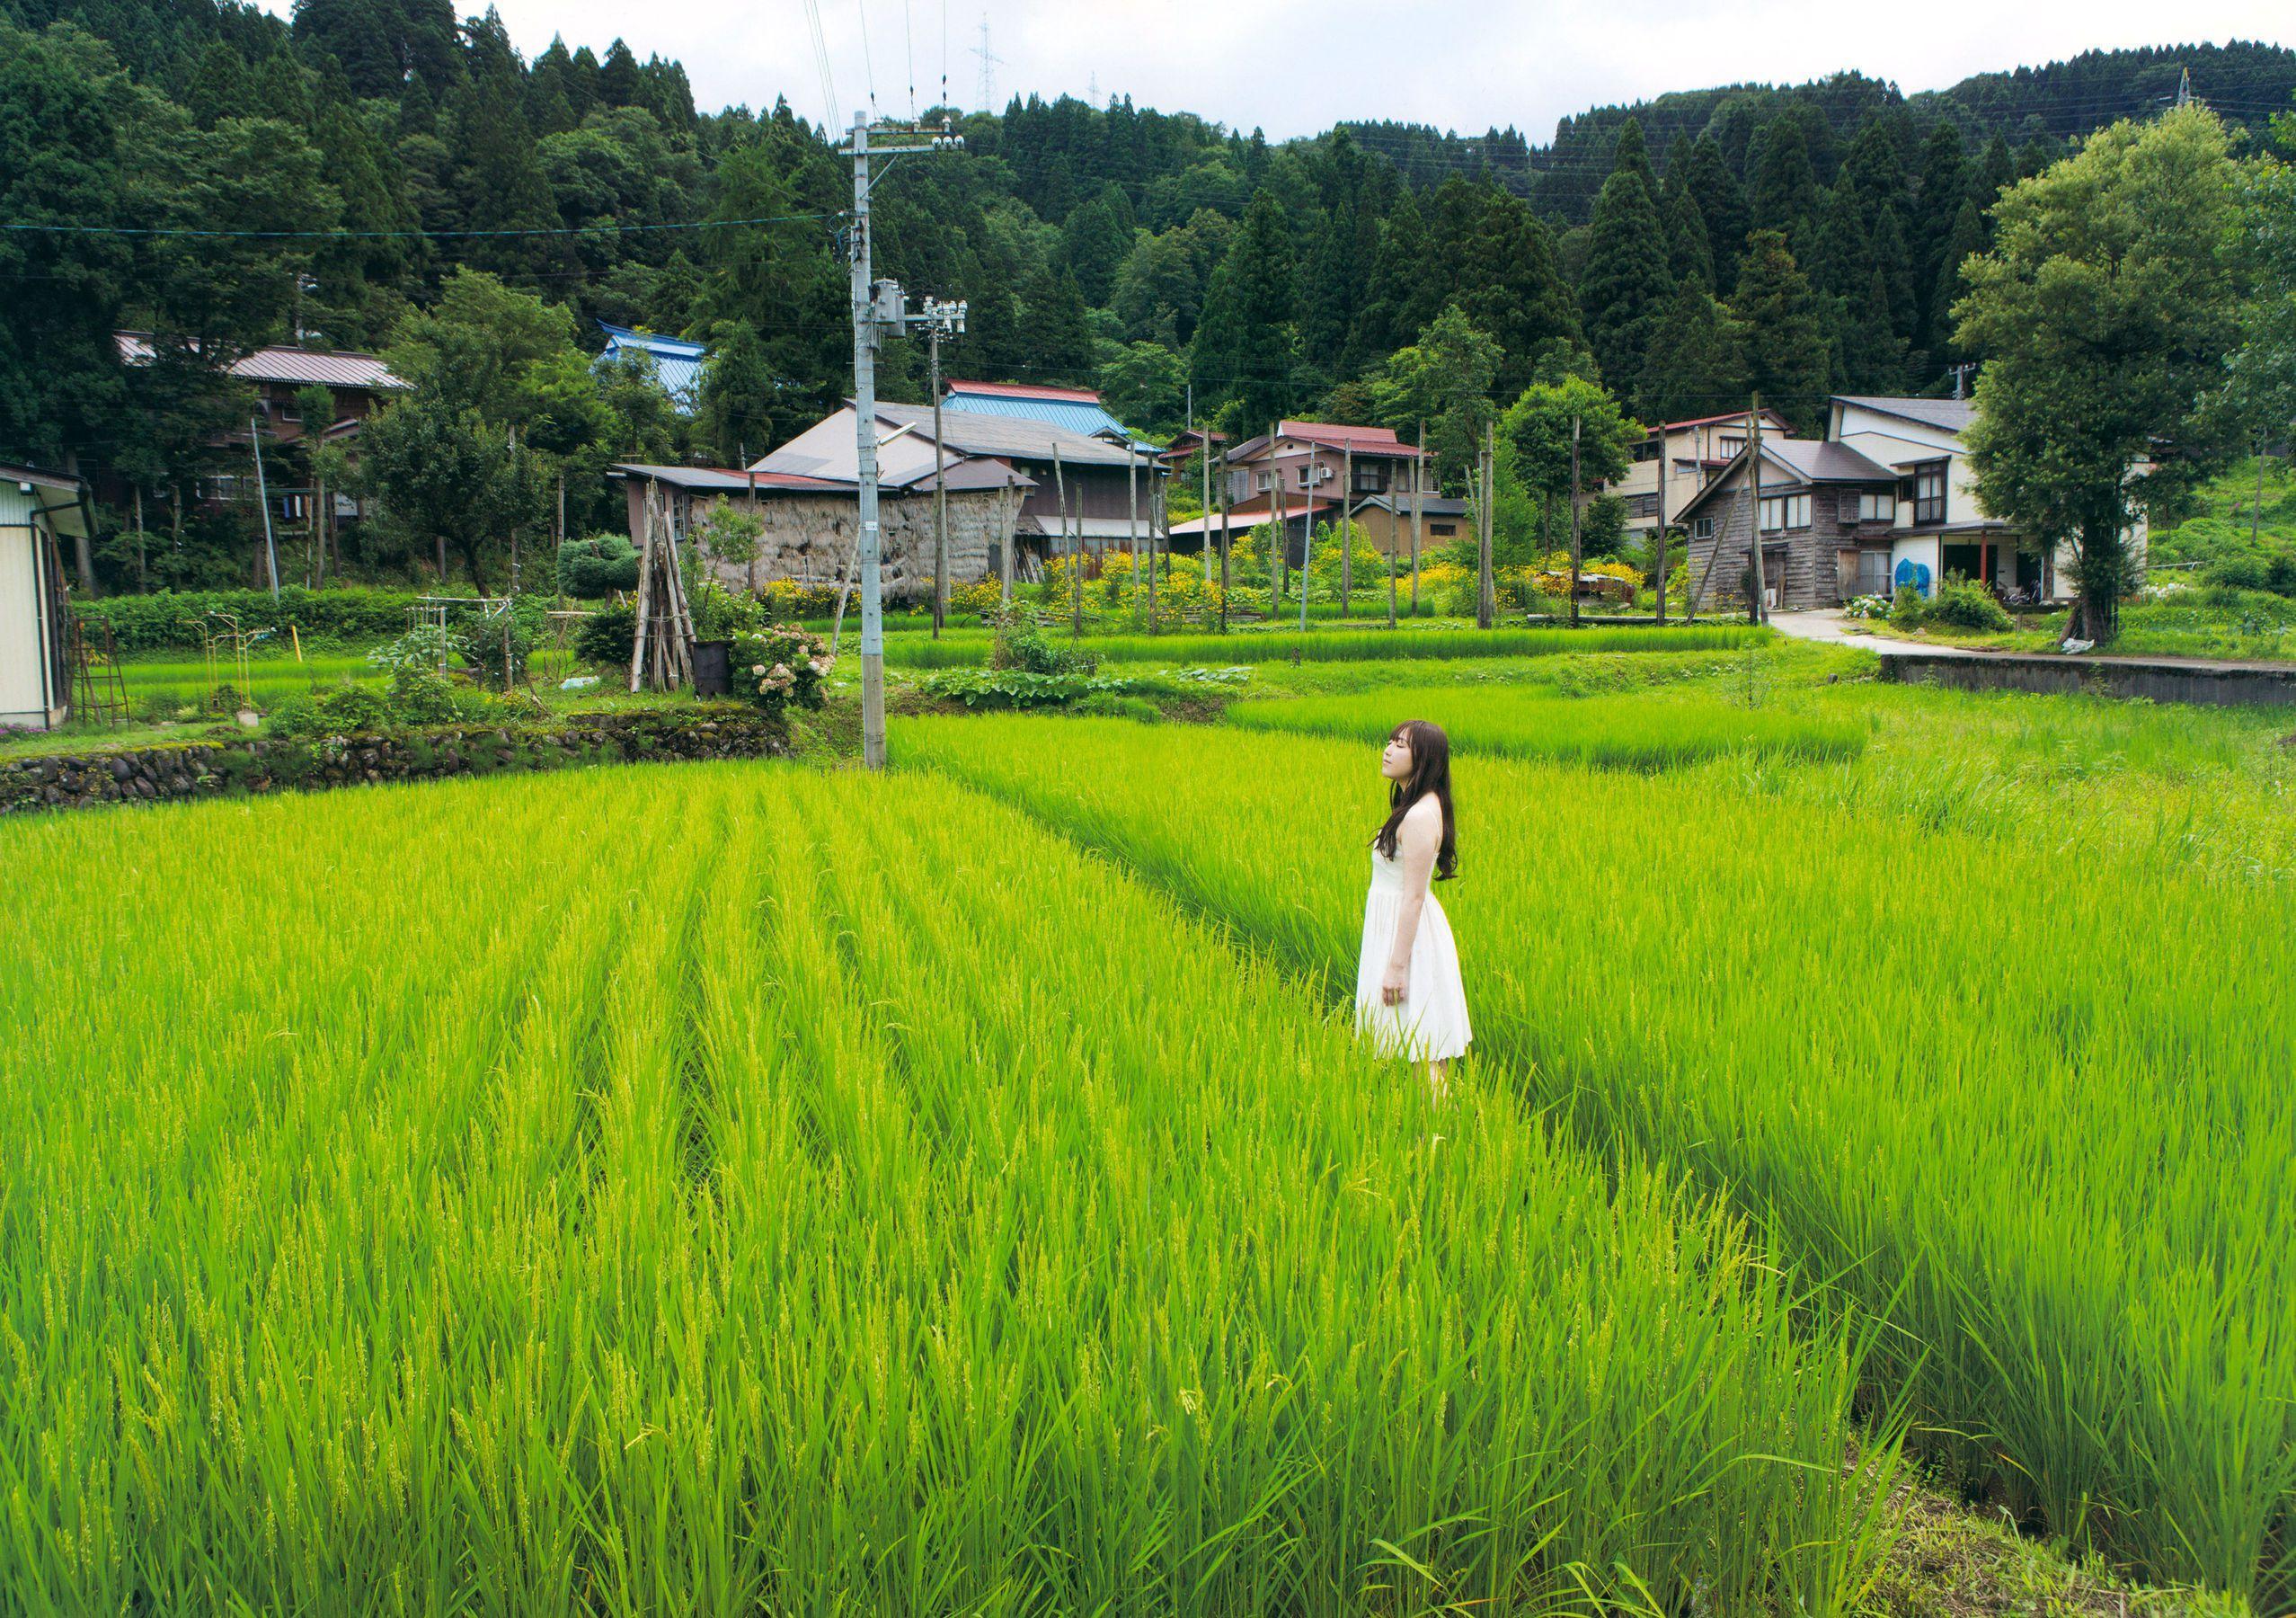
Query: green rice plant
[
  {"x": 1611, "y": 732},
  {"x": 1442, "y": 644},
  {"x": 641, "y": 1191},
  {"x": 2046, "y": 1128}
]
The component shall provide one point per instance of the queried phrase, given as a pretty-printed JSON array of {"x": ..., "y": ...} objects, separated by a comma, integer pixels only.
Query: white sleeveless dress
[{"x": 1431, "y": 1023}]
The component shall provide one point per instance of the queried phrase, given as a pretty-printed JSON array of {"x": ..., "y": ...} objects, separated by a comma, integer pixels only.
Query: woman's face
[{"x": 1394, "y": 763}]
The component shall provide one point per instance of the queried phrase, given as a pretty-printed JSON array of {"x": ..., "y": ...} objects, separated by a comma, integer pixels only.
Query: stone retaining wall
[
  {"x": 199, "y": 769},
  {"x": 2209, "y": 684}
]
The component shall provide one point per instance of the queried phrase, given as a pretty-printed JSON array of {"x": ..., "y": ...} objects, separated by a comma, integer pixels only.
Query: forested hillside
[{"x": 1791, "y": 239}]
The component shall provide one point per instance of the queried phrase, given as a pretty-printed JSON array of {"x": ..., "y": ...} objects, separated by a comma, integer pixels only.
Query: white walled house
[
  {"x": 37, "y": 510},
  {"x": 1940, "y": 528},
  {"x": 1693, "y": 453}
]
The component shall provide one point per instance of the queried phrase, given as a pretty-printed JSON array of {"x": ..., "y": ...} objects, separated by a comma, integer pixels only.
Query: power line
[{"x": 614, "y": 227}]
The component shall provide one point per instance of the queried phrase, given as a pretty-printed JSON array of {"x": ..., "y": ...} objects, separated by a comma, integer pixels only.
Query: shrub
[
  {"x": 1968, "y": 604},
  {"x": 608, "y": 637},
  {"x": 169, "y": 618},
  {"x": 1866, "y": 607},
  {"x": 722, "y": 614},
  {"x": 780, "y": 668},
  {"x": 1908, "y": 609},
  {"x": 1020, "y": 644},
  {"x": 593, "y": 567},
  {"x": 2275, "y": 572},
  {"x": 980, "y": 598},
  {"x": 499, "y": 646}
]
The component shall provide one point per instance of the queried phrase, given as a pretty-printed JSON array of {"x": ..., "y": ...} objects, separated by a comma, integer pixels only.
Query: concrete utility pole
[
  {"x": 1758, "y": 608},
  {"x": 940, "y": 492},
  {"x": 875, "y": 309}
]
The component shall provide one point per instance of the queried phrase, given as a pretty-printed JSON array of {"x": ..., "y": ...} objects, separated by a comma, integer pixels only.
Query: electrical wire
[
  {"x": 612, "y": 227},
  {"x": 821, "y": 62},
  {"x": 868, "y": 59}
]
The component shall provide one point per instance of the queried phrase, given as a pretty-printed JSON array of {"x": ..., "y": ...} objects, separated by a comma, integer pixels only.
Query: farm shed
[{"x": 37, "y": 509}]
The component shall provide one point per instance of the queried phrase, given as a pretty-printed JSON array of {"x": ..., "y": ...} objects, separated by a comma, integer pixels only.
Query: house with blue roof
[
  {"x": 678, "y": 363},
  {"x": 1076, "y": 410}
]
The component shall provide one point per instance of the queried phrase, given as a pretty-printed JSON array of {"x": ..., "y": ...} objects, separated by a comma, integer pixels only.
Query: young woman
[{"x": 1409, "y": 997}]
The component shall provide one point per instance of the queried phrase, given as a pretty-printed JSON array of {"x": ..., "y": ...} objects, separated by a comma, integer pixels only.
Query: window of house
[
  {"x": 1370, "y": 477},
  {"x": 1783, "y": 512},
  {"x": 1702, "y": 529},
  {"x": 1727, "y": 445},
  {"x": 1647, "y": 450},
  {"x": 1266, "y": 482},
  {"x": 1642, "y": 505},
  {"x": 1878, "y": 505},
  {"x": 1873, "y": 572},
  {"x": 1930, "y": 492},
  {"x": 1306, "y": 471},
  {"x": 288, "y": 412},
  {"x": 1442, "y": 530}
]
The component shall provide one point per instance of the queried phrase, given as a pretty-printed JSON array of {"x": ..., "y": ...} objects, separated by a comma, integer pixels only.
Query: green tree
[
  {"x": 1785, "y": 197},
  {"x": 1144, "y": 386},
  {"x": 1511, "y": 284},
  {"x": 1966, "y": 240},
  {"x": 1059, "y": 332},
  {"x": 1695, "y": 367},
  {"x": 1626, "y": 280},
  {"x": 1715, "y": 186},
  {"x": 1245, "y": 349},
  {"x": 1538, "y": 431},
  {"x": 1443, "y": 381},
  {"x": 1784, "y": 331},
  {"x": 2104, "y": 311},
  {"x": 736, "y": 414},
  {"x": 1689, "y": 253}
]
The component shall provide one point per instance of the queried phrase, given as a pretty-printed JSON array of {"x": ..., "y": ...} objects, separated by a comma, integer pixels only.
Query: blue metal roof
[
  {"x": 678, "y": 363},
  {"x": 1074, "y": 416}
]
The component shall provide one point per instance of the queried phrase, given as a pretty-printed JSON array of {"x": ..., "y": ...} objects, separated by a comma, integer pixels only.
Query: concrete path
[{"x": 1825, "y": 625}]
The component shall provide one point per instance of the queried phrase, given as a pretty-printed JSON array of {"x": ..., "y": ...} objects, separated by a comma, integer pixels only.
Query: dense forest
[{"x": 407, "y": 166}]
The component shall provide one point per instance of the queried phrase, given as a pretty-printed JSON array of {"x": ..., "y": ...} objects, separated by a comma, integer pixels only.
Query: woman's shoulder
[{"x": 1427, "y": 812}]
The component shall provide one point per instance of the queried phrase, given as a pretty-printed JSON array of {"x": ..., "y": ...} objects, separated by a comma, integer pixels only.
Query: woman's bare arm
[{"x": 1416, "y": 842}]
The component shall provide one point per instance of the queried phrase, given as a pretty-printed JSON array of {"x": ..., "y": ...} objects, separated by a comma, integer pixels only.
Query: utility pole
[
  {"x": 1132, "y": 519},
  {"x": 1346, "y": 529},
  {"x": 1227, "y": 538},
  {"x": 1306, "y": 538},
  {"x": 1758, "y": 608},
  {"x": 1658, "y": 539},
  {"x": 940, "y": 491},
  {"x": 518, "y": 482},
  {"x": 1158, "y": 517},
  {"x": 1578, "y": 537},
  {"x": 1486, "y": 596},
  {"x": 1076, "y": 557},
  {"x": 263, "y": 496},
  {"x": 1010, "y": 516},
  {"x": 1418, "y": 511},
  {"x": 873, "y": 309}
]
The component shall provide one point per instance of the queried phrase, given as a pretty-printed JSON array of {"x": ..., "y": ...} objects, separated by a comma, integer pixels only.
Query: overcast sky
[{"x": 1294, "y": 67}]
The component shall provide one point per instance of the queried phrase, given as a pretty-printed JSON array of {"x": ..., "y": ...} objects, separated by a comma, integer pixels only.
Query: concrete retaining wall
[
  {"x": 2205, "y": 683},
  {"x": 199, "y": 770}
]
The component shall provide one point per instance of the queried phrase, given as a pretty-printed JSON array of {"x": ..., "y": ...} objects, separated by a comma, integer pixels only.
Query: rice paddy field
[{"x": 773, "y": 1187}]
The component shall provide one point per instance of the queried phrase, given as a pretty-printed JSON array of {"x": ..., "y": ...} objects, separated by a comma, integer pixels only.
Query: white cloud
[{"x": 1293, "y": 66}]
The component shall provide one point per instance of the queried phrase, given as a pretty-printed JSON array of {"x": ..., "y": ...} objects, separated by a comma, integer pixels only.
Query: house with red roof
[{"x": 1311, "y": 470}]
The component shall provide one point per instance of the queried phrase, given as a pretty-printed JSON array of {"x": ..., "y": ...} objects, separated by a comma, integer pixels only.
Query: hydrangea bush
[{"x": 781, "y": 667}]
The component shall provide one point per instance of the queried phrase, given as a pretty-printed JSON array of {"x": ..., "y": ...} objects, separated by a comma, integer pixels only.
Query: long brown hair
[{"x": 1431, "y": 772}]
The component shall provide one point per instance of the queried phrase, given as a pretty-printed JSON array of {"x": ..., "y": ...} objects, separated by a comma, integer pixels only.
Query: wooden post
[
  {"x": 1418, "y": 511},
  {"x": 1346, "y": 528},
  {"x": 1011, "y": 515},
  {"x": 1659, "y": 538},
  {"x": 1391, "y": 557},
  {"x": 1076, "y": 557},
  {"x": 646, "y": 589},
  {"x": 1486, "y": 603},
  {"x": 1758, "y": 608},
  {"x": 1132, "y": 518},
  {"x": 1226, "y": 539},
  {"x": 262, "y": 495},
  {"x": 518, "y": 482},
  {"x": 143, "y": 578},
  {"x": 1156, "y": 518},
  {"x": 1577, "y": 535}
]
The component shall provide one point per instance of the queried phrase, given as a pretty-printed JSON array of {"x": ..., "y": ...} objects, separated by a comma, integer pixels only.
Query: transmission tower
[{"x": 989, "y": 61}]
